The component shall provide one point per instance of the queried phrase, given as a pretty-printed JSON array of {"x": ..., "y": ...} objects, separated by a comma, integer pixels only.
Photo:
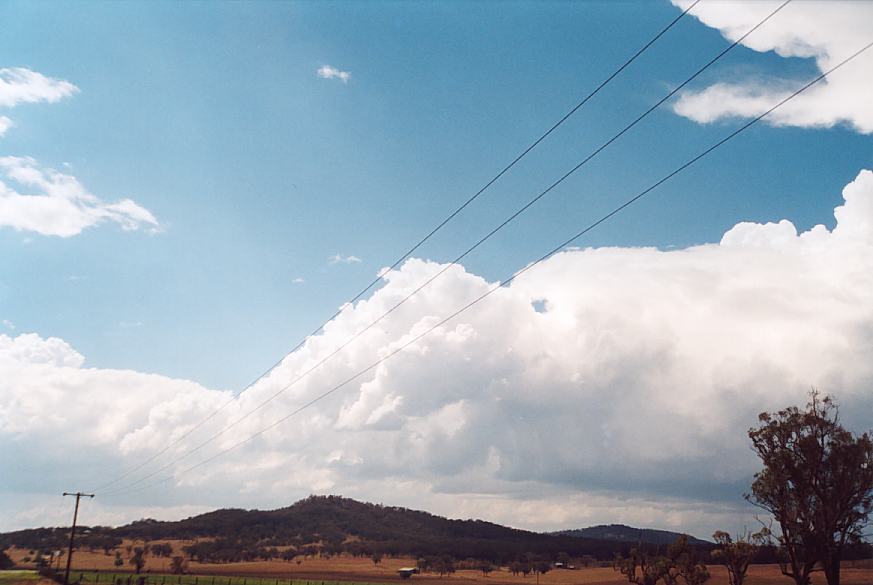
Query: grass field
[
  {"x": 18, "y": 576},
  {"x": 95, "y": 568}
]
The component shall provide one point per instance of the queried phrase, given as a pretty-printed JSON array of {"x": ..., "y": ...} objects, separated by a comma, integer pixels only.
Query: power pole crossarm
[{"x": 79, "y": 495}]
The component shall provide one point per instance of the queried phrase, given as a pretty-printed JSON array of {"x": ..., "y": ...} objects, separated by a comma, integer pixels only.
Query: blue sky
[{"x": 213, "y": 118}]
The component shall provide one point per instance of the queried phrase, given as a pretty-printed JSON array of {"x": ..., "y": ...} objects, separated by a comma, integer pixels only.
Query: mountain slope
[{"x": 622, "y": 533}]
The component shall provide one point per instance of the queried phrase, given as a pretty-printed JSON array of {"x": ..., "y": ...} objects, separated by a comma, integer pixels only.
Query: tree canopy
[{"x": 817, "y": 483}]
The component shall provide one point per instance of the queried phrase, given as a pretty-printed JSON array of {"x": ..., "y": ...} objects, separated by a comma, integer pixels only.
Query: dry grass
[{"x": 345, "y": 568}]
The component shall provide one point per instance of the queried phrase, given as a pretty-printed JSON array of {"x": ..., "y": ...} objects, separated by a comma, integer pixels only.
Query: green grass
[
  {"x": 108, "y": 578},
  {"x": 9, "y": 576}
]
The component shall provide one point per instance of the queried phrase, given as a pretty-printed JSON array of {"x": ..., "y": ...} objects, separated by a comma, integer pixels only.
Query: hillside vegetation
[{"x": 331, "y": 525}]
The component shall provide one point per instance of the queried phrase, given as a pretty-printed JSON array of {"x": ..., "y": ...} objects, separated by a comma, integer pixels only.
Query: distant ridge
[
  {"x": 333, "y": 525},
  {"x": 623, "y": 533}
]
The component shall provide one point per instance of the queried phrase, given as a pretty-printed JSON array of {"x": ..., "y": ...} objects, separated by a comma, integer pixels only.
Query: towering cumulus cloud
[
  {"x": 827, "y": 32},
  {"x": 610, "y": 384}
]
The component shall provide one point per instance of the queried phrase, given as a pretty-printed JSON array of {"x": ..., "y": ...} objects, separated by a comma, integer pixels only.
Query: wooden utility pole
[{"x": 78, "y": 495}]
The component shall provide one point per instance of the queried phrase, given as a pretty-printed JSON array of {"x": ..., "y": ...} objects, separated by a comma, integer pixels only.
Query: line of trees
[{"x": 679, "y": 562}]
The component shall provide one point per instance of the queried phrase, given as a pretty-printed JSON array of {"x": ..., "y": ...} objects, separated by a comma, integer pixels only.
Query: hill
[
  {"x": 333, "y": 524},
  {"x": 623, "y": 533}
]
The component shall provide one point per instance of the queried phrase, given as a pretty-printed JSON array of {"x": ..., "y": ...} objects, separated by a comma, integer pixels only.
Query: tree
[
  {"x": 486, "y": 568},
  {"x": 178, "y": 565},
  {"x": 683, "y": 561},
  {"x": 40, "y": 560},
  {"x": 526, "y": 569},
  {"x": 162, "y": 549},
  {"x": 5, "y": 561},
  {"x": 639, "y": 567},
  {"x": 817, "y": 483},
  {"x": 541, "y": 568},
  {"x": 444, "y": 566},
  {"x": 736, "y": 555},
  {"x": 376, "y": 558},
  {"x": 118, "y": 560},
  {"x": 138, "y": 559}
]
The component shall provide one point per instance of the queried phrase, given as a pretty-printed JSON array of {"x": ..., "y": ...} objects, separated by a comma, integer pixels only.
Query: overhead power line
[
  {"x": 439, "y": 273},
  {"x": 411, "y": 250},
  {"x": 512, "y": 277}
]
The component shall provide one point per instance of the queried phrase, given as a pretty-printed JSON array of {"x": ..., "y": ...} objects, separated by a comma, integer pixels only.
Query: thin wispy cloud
[
  {"x": 8, "y": 324},
  {"x": 329, "y": 72},
  {"x": 299, "y": 280},
  {"x": 340, "y": 259}
]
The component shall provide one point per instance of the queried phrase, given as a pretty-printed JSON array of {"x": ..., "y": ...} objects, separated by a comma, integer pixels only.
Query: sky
[{"x": 188, "y": 190}]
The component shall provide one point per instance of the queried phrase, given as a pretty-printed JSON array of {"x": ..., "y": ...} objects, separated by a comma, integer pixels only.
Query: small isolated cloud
[
  {"x": 8, "y": 324},
  {"x": 21, "y": 85},
  {"x": 299, "y": 280},
  {"x": 340, "y": 259},
  {"x": 5, "y": 124},
  {"x": 328, "y": 72},
  {"x": 825, "y": 31},
  {"x": 58, "y": 204}
]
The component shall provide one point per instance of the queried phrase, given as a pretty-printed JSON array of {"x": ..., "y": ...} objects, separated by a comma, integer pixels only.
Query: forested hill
[
  {"x": 622, "y": 533},
  {"x": 333, "y": 521},
  {"x": 333, "y": 524}
]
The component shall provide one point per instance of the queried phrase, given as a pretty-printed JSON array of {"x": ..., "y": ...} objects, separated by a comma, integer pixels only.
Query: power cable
[
  {"x": 503, "y": 224},
  {"x": 511, "y": 278},
  {"x": 409, "y": 252}
]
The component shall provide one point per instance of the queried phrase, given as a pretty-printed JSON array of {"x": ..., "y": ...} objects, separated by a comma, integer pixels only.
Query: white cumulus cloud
[
  {"x": 827, "y": 32},
  {"x": 329, "y": 72},
  {"x": 57, "y": 204},
  {"x": 604, "y": 385},
  {"x": 5, "y": 124}
]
